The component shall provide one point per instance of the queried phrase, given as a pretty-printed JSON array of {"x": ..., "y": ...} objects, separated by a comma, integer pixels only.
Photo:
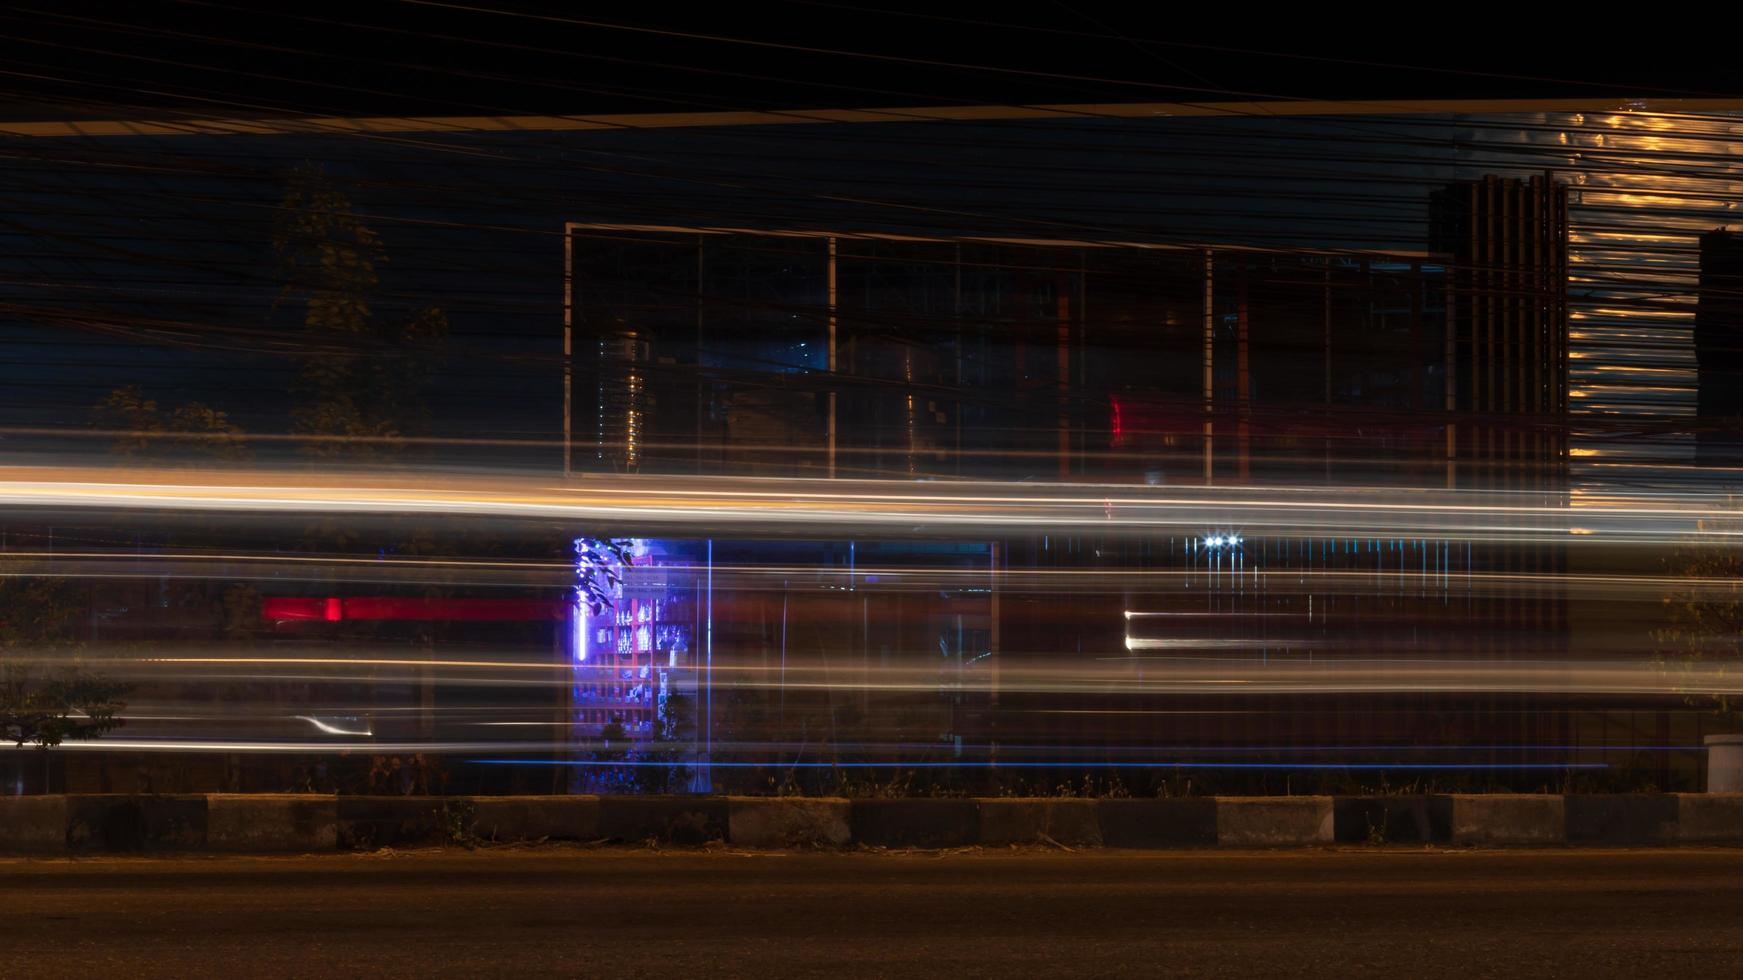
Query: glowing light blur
[
  {"x": 743, "y": 504},
  {"x": 855, "y": 655}
]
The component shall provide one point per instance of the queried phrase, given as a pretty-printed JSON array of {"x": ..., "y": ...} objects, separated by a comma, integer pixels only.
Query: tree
[
  {"x": 142, "y": 429},
  {"x": 361, "y": 380},
  {"x": 664, "y": 764},
  {"x": 47, "y": 712},
  {"x": 37, "y": 612},
  {"x": 614, "y": 741},
  {"x": 38, "y": 615},
  {"x": 1705, "y": 631},
  {"x": 358, "y": 390}
]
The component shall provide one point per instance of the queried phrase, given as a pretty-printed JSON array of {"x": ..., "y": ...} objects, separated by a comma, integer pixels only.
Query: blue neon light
[{"x": 1060, "y": 765}]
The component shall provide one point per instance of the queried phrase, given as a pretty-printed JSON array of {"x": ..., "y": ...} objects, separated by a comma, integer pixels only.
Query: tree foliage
[
  {"x": 37, "y": 612},
  {"x": 143, "y": 429},
  {"x": 48, "y": 711},
  {"x": 1705, "y": 616},
  {"x": 39, "y": 615},
  {"x": 666, "y": 760},
  {"x": 360, "y": 383}
]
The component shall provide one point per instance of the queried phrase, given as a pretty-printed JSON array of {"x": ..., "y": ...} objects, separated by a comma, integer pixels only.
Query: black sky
[{"x": 96, "y": 60}]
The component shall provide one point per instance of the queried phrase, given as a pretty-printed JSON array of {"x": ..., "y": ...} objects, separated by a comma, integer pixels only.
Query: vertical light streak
[{"x": 708, "y": 653}]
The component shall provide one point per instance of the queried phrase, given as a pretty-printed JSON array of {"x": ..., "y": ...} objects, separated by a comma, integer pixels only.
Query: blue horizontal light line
[
  {"x": 1301, "y": 748},
  {"x": 1045, "y": 765}
]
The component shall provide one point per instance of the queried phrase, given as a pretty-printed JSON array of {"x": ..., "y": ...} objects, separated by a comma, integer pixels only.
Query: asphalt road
[{"x": 622, "y": 914}]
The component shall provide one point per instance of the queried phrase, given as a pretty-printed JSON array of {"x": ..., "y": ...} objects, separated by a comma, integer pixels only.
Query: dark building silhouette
[
  {"x": 1719, "y": 350},
  {"x": 835, "y": 352},
  {"x": 852, "y": 354},
  {"x": 1507, "y": 240}
]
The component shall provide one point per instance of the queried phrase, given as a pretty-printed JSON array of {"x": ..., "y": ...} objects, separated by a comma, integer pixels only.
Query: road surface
[{"x": 1006, "y": 914}]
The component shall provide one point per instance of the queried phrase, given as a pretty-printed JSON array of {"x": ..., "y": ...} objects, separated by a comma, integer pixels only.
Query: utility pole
[
  {"x": 829, "y": 425},
  {"x": 1209, "y": 380},
  {"x": 568, "y": 343}
]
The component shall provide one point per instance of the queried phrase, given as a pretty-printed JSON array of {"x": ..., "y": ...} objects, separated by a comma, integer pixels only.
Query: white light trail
[
  {"x": 722, "y": 505},
  {"x": 333, "y": 729}
]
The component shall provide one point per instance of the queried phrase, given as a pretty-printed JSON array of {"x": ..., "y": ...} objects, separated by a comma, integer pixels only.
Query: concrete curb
[
  {"x": 300, "y": 823},
  {"x": 666, "y": 819},
  {"x": 1504, "y": 818},
  {"x": 916, "y": 823},
  {"x": 395, "y": 821},
  {"x": 1189, "y": 822},
  {"x": 531, "y": 818},
  {"x": 1625, "y": 818},
  {"x": 33, "y": 824},
  {"x": 1385, "y": 820},
  {"x": 1027, "y": 821},
  {"x": 280, "y": 822},
  {"x": 1273, "y": 821},
  {"x": 116, "y": 822},
  {"x": 755, "y": 821}
]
